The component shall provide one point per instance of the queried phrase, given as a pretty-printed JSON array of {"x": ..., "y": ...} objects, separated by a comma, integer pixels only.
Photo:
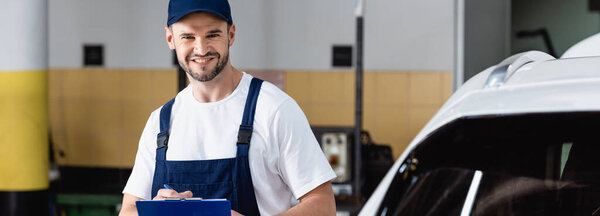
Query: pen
[{"x": 167, "y": 187}]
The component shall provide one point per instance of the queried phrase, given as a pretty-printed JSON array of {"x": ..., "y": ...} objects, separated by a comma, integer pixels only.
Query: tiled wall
[
  {"x": 97, "y": 115},
  {"x": 396, "y": 104}
]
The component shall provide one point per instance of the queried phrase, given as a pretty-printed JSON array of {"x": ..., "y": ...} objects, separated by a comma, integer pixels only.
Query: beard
[{"x": 221, "y": 62}]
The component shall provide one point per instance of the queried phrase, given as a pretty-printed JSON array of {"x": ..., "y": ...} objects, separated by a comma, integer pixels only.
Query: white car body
[
  {"x": 587, "y": 47},
  {"x": 531, "y": 82}
]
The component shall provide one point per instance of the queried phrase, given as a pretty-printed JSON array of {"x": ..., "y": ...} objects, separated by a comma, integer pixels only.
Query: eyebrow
[
  {"x": 186, "y": 34},
  {"x": 214, "y": 31},
  {"x": 209, "y": 32}
]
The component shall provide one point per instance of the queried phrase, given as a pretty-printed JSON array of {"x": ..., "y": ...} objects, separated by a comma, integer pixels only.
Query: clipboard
[{"x": 182, "y": 206}]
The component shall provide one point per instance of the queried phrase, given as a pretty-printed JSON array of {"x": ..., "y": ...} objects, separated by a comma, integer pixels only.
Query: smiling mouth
[{"x": 202, "y": 61}]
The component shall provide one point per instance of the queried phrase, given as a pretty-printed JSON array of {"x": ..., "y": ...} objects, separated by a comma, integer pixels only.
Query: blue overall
[{"x": 219, "y": 178}]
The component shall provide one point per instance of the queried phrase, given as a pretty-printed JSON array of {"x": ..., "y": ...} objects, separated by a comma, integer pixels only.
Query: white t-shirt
[{"x": 285, "y": 159}]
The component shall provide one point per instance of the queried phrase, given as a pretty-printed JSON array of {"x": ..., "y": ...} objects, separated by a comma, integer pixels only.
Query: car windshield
[{"x": 533, "y": 164}]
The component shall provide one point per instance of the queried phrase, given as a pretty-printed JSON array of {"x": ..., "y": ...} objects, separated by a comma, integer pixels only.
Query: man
[{"x": 227, "y": 135}]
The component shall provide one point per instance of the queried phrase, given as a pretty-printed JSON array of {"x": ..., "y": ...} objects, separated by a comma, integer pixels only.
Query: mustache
[{"x": 194, "y": 55}]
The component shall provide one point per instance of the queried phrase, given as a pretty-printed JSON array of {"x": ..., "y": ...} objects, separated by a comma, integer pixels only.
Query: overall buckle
[
  {"x": 244, "y": 134},
  {"x": 162, "y": 140}
]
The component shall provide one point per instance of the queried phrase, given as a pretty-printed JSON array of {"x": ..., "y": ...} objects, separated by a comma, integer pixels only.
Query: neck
[{"x": 217, "y": 89}]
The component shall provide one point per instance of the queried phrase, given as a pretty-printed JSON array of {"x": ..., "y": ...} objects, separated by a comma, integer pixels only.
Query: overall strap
[
  {"x": 244, "y": 200},
  {"x": 162, "y": 139},
  {"x": 245, "y": 132}
]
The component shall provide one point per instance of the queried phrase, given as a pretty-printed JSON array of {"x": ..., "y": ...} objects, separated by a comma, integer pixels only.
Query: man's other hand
[{"x": 168, "y": 193}]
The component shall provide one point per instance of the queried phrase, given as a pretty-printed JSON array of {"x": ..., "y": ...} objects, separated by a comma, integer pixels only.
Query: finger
[
  {"x": 164, "y": 193},
  {"x": 186, "y": 194}
]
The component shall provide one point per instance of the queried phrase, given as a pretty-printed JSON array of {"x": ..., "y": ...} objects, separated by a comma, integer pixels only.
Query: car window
[{"x": 532, "y": 164}]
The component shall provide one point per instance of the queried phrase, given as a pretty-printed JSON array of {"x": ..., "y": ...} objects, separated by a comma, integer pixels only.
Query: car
[{"x": 519, "y": 138}]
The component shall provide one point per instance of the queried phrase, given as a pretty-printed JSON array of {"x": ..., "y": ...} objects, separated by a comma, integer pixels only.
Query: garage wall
[
  {"x": 567, "y": 22},
  {"x": 399, "y": 35},
  {"x": 408, "y": 59}
]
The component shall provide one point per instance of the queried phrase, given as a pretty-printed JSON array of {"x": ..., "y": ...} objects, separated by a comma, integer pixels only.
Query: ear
[
  {"x": 231, "y": 34},
  {"x": 169, "y": 36}
]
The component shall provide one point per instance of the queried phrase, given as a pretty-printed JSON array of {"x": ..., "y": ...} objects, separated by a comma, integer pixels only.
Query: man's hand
[
  {"x": 128, "y": 205},
  {"x": 168, "y": 193}
]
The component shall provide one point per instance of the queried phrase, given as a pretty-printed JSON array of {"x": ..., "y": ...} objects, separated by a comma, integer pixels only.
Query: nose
[{"x": 201, "y": 47}]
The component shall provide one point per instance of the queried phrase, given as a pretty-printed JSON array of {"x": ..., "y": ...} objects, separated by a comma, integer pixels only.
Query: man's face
[{"x": 201, "y": 41}]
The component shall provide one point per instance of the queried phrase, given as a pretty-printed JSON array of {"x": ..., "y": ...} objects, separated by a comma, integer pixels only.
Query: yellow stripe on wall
[{"x": 23, "y": 130}]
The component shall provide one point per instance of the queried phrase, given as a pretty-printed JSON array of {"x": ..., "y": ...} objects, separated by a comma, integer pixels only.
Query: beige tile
[
  {"x": 345, "y": 115},
  {"x": 78, "y": 151},
  {"x": 316, "y": 115},
  {"x": 106, "y": 84},
  {"x": 76, "y": 84},
  {"x": 54, "y": 83},
  {"x": 106, "y": 150},
  {"x": 106, "y": 117},
  {"x": 157, "y": 103},
  {"x": 326, "y": 87},
  {"x": 399, "y": 146},
  {"x": 304, "y": 106},
  {"x": 136, "y": 85},
  {"x": 446, "y": 86},
  {"x": 392, "y": 88},
  {"x": 418, "y": 117},
  {"x": 424, "y": 88},
  {"x": 55, "y": 118},
  {"x": 392, "y": 120},
  {"x": 76, "y": 116},
  {"x": 307, "y": 109},
  {"x": 164, "y": 85},
  {"x": 369, "y": 87},
  {"x": 297, "y": 85},
  {"x": 129, "y": 148},
  {"x": 134, "y": 116},
  {"x": 331, "y": 115},
  {"x": 370, "y": 117},
  {"x": 348, "y": 87}
]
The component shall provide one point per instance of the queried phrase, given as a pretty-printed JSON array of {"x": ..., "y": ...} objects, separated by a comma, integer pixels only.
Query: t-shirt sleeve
[
  {"x": 302, "y": 164},
  {"x": 142, "y": 175}
]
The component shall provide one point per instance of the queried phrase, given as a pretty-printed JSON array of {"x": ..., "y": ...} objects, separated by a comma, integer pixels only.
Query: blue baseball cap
[{"x": 179, "y": 8}]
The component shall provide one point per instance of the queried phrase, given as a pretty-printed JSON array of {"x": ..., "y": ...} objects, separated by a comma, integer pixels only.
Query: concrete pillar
[{"x": 24, "y": 107}]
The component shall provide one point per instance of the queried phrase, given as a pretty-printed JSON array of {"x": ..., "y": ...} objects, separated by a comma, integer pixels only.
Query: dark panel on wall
[
  {"x": 342, "y": 56},
  {"x": 93, "y": 55}
]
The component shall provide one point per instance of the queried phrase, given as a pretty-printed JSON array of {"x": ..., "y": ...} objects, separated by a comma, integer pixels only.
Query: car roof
[
  {"x": 586, "y": 47},
  {"x": 536, "y": 86},
  {"x": 530, "y": 82}
]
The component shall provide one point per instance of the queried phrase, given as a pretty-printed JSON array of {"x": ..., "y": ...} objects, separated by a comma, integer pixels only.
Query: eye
[
  {"x": 212, "y": 35},
  {"x": 187, "y": 37}
]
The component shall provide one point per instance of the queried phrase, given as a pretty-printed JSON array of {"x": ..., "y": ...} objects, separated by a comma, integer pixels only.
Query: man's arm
[
  {"x": 319, "y": 201},
  {"x": 128, "y": 206}
]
